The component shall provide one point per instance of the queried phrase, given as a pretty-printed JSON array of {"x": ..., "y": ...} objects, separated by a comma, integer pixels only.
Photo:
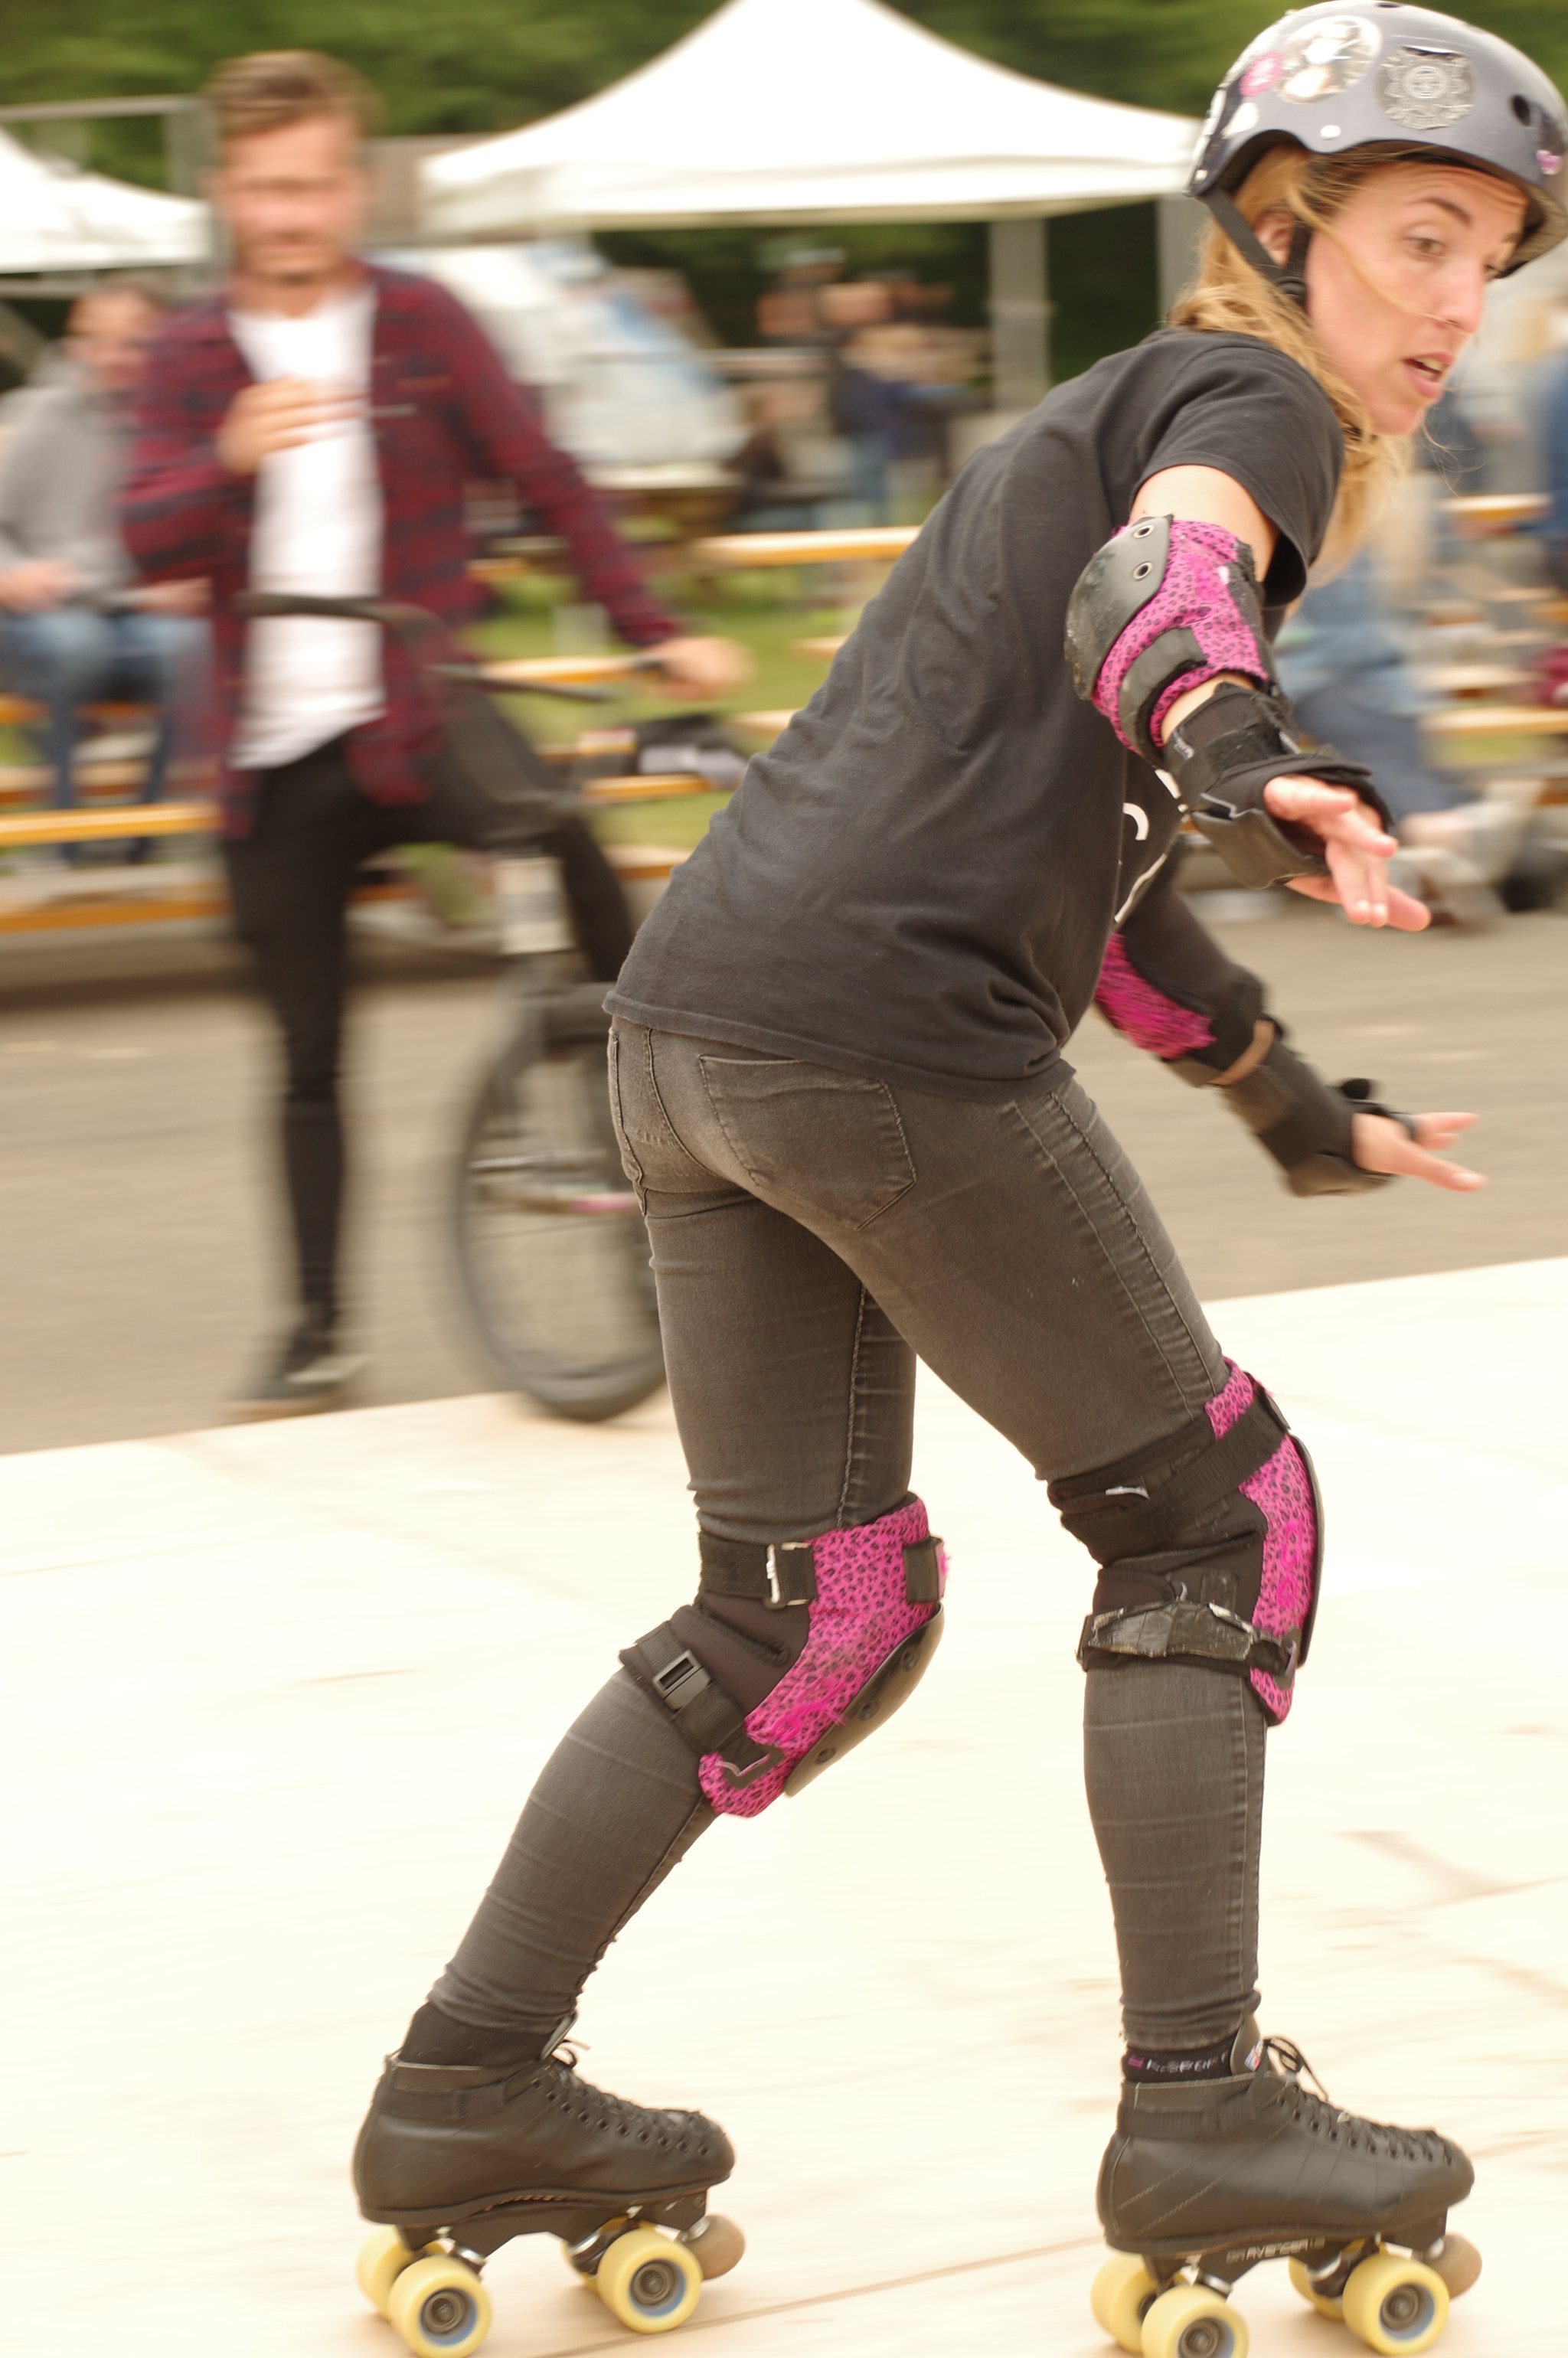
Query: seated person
[
  {"x": 1344, "y": 671},
  {"x": 74, "y": 627}
]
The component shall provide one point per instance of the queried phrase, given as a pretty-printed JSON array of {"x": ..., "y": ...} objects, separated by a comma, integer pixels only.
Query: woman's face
[{"x": 1396, "y": 291}]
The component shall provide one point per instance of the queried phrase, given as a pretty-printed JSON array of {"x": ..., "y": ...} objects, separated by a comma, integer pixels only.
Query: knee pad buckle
[
  {"x": 875, "y": 1594},
  {"x": 1172, "y": 1498},
  {"x": 1187, "y": 1630}
]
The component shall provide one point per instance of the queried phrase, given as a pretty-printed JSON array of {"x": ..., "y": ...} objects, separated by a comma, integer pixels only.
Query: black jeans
[
  {"x": 289, "y": 883},
  {"x": 812, "y": 1232}
]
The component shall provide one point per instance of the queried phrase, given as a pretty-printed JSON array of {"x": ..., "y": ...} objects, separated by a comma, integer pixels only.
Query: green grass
[{"x": 762, "y": 610}]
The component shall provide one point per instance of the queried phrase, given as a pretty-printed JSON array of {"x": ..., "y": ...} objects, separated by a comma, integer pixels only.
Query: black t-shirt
[{"x": 917, "y": 881}]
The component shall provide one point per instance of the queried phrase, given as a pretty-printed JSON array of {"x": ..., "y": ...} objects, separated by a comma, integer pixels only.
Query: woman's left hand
[
  {"x": 1379, "y": 1145},
  {"x": 1357, "y": 849}
]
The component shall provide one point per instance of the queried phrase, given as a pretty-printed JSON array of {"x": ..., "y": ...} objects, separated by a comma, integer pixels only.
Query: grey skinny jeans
[{"x": 814, "y": 1231}]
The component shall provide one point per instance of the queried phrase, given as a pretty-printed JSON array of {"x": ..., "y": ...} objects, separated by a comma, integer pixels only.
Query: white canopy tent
[
  {"x": 802, "y": 111},
  {"x": 780, "y": 112},
  {"x": 57, "y": 222}
]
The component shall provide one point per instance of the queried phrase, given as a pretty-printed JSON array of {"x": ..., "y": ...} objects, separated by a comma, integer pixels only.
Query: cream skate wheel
[
  {"x": 1458, "y": 2264},
  {"x": 649, "y": 2281},
  {"x": 1395, "y": 2306},
  {"x": 1324, "y": 2304},
  {"x": 1121, "y": 2295},
  {"x": 440, "y": 2308},
  {"x": 383, "y": 2256},
  {"x": 1190, "y": 2321},
  {"x": 718, "y": 2243}
]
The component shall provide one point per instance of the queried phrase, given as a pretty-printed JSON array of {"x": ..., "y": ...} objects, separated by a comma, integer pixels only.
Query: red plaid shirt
[{"x": 444, "y": 414}]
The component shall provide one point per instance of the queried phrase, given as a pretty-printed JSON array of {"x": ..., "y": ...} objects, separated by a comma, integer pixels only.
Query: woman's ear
[{"x": 1275, "y": 230}]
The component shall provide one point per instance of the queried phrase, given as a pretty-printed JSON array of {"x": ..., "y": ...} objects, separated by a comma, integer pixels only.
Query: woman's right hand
[
  {"x": 1379, "y": 1145},
  {"x": 1357, "y": 849}
]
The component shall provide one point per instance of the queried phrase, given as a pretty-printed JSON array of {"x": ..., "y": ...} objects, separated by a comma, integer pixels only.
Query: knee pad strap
[
  {"x": 859, "y": 1619},
  {"x": 1235, "y": 1486},
  {"x": 1156, "y": 1500}
]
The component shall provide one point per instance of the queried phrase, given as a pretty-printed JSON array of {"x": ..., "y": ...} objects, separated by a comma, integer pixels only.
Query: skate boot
[
  {"x": 1208, "y": 2175},
  {"x": 454, "y": 2160}
]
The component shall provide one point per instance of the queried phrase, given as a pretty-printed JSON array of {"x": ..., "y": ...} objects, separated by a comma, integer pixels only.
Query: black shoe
[
  {"x": 311, "y": 1372},
  {"x": 444, "y": 2143},
  {"x": 1256, "y": 2157}
]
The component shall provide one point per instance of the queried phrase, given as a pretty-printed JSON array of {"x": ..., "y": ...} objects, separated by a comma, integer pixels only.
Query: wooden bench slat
[
  {"x": 1500, "y": 720},
  {"x": 105, "y": 823},
  {"x": 742, "y": 551},
  {"x": 19, "y": 711},
  {"x": 569, "y": 671}
]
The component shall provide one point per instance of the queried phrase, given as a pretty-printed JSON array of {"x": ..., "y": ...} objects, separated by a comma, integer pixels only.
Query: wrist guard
[
  {"x": 1165, "y": 606},
  {"x": 1220, "y": 758},
  {"x": 1307, "y": 1125}
]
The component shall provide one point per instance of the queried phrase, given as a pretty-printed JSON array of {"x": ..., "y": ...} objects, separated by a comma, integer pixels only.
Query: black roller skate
[
  {"x": 456, "y": 2160},
  {"x": 1203, "y": 2179}
]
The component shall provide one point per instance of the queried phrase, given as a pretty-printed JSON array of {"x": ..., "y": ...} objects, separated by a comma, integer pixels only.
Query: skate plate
[
  {"x": 425, "y": 2276},
  {"x": 1176, "y": 2304}
]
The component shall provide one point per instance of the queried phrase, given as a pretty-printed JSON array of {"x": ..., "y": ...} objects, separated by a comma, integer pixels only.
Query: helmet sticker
[
  {"x": 1216, "y": 109},
  {"x": 1548, "y": 162},
  {"x": 1425, "y": 89},
  {"x": 1262, "y": 73},
  {"x": 1327, "y": 56}
]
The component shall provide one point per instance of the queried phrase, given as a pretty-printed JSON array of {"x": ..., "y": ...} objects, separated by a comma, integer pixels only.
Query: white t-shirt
[{"x": 318, "y": 528}]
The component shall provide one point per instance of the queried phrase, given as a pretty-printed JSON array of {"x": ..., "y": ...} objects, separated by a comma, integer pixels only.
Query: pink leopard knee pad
[
  {"x": 861, "y": 1621},
  {"x": 1282, "y": 1490}
]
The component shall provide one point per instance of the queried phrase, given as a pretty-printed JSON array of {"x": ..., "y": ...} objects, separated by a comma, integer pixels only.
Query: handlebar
[{"x": 410, "y": 625}]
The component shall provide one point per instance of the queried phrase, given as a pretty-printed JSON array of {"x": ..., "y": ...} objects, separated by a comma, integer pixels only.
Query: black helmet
[{"x": 1329, "y": 79}]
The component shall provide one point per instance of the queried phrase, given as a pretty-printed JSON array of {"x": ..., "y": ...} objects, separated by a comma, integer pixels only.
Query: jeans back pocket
[{"x": 811, "y": 1139}]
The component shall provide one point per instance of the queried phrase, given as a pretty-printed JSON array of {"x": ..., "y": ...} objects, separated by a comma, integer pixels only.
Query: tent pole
[
  {"x": 1182, "y": 222},
  {"x": 1021, "y": 313}
]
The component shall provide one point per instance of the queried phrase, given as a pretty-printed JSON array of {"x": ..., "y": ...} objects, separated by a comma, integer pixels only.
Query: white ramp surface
[{"x": 274, "y": 1695}]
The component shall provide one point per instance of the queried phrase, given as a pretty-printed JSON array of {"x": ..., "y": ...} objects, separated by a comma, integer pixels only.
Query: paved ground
[
  {"x": 269, "y": 1698},
  {"x": 142, "y": 1262}
]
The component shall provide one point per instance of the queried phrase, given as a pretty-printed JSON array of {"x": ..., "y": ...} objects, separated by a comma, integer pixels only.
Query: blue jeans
[{"x": 69, "y": 656}]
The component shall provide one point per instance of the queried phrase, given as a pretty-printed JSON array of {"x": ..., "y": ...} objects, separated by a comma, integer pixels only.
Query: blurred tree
[
  {"x": 481, "y": 65},
  {"x": 485, "y": 65}
]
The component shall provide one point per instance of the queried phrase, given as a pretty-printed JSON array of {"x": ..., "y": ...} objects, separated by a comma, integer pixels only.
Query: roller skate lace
[
  {"x": 1318, "y": 2114},
  {"x": 557, "y": 2077}
]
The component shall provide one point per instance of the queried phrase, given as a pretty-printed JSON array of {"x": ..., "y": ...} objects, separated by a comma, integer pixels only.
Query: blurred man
[
  {"x": 312, "y": 428},
  {"x": 73, "y": 627}
]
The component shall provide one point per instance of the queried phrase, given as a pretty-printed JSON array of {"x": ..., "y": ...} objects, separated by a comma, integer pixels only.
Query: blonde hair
[
  {"x": 274, "y": 88},
  {"x": 1229, "y": 295}
]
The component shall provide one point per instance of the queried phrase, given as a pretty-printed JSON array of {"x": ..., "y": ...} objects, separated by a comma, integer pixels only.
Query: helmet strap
[{"x": 1289, "y": 277}]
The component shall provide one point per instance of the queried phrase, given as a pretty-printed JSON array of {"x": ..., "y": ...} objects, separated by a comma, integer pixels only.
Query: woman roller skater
[{"x": 839, "y": 1077}]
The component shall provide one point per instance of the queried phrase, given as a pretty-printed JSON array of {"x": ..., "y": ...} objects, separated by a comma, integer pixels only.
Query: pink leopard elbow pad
[{"x": 1163, "y": 606}]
